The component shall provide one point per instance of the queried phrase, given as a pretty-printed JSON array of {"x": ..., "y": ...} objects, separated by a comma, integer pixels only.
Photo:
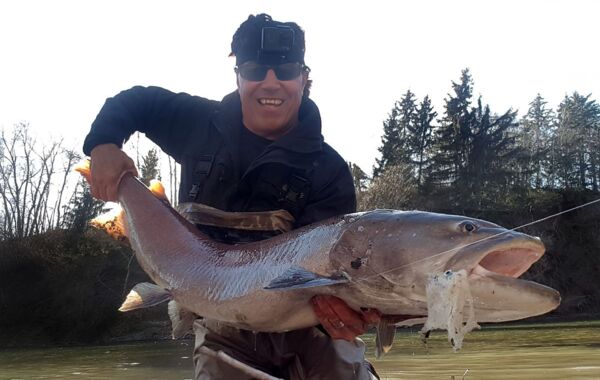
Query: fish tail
[
  {"x": 156, "y": 187},
  {"x": 83, "y": 168},
  {"x": 112, "y": 222}
]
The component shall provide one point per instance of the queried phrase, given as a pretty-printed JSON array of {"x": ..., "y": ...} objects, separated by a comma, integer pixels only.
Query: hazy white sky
[{"x": 59, "y": 60}]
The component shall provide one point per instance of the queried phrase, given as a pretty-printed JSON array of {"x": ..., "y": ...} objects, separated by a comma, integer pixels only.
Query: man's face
[{"x": 270, "y": 106}]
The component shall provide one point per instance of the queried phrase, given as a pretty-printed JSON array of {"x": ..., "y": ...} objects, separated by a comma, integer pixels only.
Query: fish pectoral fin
[
  {"x": 181, "y": 320},
  {"x": 298, "y": 278},
  {"x": 145, "y": 295},
  {"x": 386, "y": 329}
]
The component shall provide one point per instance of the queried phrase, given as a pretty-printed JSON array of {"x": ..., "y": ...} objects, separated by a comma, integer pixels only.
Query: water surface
[{"x": 547, "y": 351}]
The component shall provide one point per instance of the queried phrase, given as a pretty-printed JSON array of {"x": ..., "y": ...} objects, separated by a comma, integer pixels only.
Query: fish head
[{"x": 391, "y": 255}]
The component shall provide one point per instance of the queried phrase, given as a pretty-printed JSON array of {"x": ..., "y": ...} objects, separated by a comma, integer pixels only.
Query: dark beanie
[{"x": 264, "y": 40}]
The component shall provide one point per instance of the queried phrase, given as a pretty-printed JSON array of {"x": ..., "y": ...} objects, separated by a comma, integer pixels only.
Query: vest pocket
[{"x": 195, "y": 170}]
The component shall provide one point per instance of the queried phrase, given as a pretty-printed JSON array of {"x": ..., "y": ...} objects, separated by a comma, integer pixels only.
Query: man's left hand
[{"x": 341, "y": 321}]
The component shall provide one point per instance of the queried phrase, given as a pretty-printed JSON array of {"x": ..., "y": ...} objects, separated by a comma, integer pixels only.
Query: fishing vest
[{"x": 211, "y": 177}]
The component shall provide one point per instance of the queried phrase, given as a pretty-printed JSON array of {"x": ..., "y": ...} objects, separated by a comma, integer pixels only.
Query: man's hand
[
  {"x": 339, "y": 320},
  {"x": 109, "y": 164}
]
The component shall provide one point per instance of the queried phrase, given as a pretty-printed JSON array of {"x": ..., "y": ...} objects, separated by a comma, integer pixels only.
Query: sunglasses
[{"x": 256, "y": 72}]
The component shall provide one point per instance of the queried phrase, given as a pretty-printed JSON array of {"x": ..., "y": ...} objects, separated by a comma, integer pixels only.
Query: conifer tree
[
  {"x": 577, "y": 143},
  {"x": 594, "y": 145},
  {"x": 421, "y": 138},
  {"x": 454, "y": 136},
  {"x": 490, "y": 168},
  {"x": 361, "y": 181},
  {"x": 394, "y": 144},
  {"x": 474, "y": 148},
  {"x": 149, "y": 169},
  {"x": 81, "y": 208},
  {"x": 535, "y": 137},
  {"x": 359, "y": 177},
  {"x": 389, "y": 141}
]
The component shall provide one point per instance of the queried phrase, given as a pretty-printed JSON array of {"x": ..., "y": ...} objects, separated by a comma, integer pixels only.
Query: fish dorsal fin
[
  {"x": 198, "y": 213},
  {"x": 384, "y": 339},
  {"x": 298, "y": 278},
  {"x": 145, "y": 295}
]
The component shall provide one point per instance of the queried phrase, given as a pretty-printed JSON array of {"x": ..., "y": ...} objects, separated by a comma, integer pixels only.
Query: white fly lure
[{"x": 449, "y": 306}]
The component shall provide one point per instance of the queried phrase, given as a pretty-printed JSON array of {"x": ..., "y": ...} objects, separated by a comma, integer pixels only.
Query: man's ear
[
  {"x": 306, "y": 85},
  {"x": 304, "y": 79}
]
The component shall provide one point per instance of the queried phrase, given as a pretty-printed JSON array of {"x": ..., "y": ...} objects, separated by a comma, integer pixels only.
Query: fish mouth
[
  {"x": 507, "y": 254},
  {"x": 510, "y": 261},
  {"x": 497, "y": 292}
]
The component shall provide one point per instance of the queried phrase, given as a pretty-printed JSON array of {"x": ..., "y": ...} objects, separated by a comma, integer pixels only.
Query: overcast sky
[{"x": 59, "y": 60}]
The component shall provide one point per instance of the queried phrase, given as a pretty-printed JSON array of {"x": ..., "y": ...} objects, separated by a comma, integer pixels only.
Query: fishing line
[{"x": 479, "y": 241}]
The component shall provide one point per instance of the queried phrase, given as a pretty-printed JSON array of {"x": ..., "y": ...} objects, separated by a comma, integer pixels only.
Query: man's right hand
[
  {"x": 108, "y": 165},
  {"x": 339, "y": 320}
]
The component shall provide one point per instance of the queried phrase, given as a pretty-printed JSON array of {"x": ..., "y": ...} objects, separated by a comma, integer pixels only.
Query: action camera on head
[
  {"x": 262, "y": 40},
  {"x": 277, "y": 39}
]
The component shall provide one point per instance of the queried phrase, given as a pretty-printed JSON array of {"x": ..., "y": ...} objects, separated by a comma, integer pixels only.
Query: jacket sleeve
[
  {"x": 331, "y": 195},
  {"x": 165, "y": 117}
]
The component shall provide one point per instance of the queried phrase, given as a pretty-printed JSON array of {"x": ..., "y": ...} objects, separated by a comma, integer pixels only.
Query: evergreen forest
[{"x": 537, "y": 173}]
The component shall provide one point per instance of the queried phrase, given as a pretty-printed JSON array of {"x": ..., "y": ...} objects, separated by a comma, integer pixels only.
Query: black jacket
[{"x": 298, "y": 172}]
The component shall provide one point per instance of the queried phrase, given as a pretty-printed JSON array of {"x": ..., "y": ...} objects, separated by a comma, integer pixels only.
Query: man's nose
[{"x": 271, "y": 79}]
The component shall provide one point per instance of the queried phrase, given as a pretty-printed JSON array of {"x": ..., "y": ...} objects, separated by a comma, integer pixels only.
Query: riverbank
[
  {"x": 61, "y": 288},
  {"x": 64, "y": 289}
]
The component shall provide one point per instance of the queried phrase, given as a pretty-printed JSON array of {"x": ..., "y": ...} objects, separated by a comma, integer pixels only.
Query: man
[{"x": 259, "y": 149}]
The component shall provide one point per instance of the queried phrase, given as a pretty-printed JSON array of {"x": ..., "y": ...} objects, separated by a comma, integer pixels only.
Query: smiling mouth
[{"x": 270, "y": 102}]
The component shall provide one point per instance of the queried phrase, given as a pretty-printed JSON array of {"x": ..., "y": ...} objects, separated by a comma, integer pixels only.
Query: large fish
[{"x": 381, "y": 259}]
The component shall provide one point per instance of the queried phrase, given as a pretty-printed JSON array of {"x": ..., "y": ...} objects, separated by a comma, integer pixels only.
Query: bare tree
[
  {"x": 173, "y": 181},
  {"x": 31, "y": 200},
  {"x": 394, "y": 188},
  {"x": 17, "y": 173},
  {"x": 37, "y": 205},
  {"x": 70, "y": 159}
]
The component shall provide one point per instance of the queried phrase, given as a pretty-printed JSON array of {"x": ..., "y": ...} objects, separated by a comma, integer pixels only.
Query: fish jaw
[
  {"x": 493, "y": 266},
  {"x": 499, "y": 298},
  {"x": 505, "y": 252}
]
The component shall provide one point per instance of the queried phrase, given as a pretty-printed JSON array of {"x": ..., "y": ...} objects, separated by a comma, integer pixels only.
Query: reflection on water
[
  {"x": 558, "y": 351},
  {"x": 160, "y": 360}
]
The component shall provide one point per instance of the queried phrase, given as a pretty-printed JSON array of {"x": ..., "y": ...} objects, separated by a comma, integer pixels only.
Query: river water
[{"x": 544, "y": 351}]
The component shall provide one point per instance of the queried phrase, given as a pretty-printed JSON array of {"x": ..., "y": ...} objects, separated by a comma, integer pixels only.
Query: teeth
[{"x": 271, "y": 102}]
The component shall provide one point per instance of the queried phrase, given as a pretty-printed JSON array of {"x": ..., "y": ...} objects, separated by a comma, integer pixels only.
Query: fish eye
[{"x": 468, "y": 227}]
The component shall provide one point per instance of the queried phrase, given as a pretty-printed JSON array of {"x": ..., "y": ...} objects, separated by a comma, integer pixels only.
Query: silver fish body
[{"x": 378, "y": 259}]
